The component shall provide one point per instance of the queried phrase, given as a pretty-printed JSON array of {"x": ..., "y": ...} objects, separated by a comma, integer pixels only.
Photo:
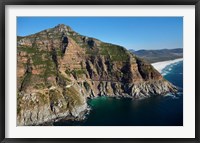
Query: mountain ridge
[
  {"x": 159, "y": 55},
  {"x": 58, "y": 69}
]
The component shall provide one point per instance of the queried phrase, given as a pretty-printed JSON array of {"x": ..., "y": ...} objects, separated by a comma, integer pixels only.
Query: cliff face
[{"x": 58, "y": 69}]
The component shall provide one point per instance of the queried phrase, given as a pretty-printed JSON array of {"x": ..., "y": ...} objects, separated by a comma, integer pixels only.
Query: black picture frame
[{"x": 3, "y": 4}]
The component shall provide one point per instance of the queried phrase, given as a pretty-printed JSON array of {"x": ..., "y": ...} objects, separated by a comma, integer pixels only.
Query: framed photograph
[{"x": 86, "y": 71}]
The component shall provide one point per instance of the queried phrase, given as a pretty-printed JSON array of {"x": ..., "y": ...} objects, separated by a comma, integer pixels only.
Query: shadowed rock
[{"x": 58, "y": 69}]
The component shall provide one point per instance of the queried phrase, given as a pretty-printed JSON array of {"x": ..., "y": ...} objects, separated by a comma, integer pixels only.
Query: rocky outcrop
[{"x": 58, "y": 69}]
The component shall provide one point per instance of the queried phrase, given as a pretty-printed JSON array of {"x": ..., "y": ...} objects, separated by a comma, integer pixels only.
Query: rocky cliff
[{"x": 58, "y": 69}]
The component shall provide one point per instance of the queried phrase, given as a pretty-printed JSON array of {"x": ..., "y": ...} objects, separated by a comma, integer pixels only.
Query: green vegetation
[
  {"x": 67, "y": 71},
  {"x": 119, "y": 74},
  {"x": 86, "y": 85},
  {"x": 90, "y": 51},
  {"x": 78, "y": 71},
  {"x": 50, "y": 69},
  {"x": 19, "y": 98},
  {"x": 62, "y": 80},
  {"x": 75, "y": 38},
  {"x": 39, "y": 86},
  {"x": 116, "y": 53},
  {"x": 42, "y": 98},
  {"x": 37, "y": 59},
  {"x": 54, "y": 96},
  {"x": 59, "y": 53},
  {"x": 26, "y": 81},
  {"x": 19, "y": 38},
  {"x": 67, "y": 79},
  {"x": 27, "y": 49},
  {"x": 36, "y": 55},
  {"x": 75, "y": 72},
  {"x": 74, "y": 96}
]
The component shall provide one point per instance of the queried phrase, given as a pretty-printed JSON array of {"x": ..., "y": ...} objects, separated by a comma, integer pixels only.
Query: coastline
[{"x": 159, "y": 66}]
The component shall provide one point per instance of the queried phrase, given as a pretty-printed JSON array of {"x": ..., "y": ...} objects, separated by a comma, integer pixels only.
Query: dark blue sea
[{"x": 154, "y": 111}]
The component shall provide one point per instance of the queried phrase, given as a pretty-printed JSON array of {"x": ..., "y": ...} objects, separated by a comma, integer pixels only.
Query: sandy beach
[{"x": 159, "y": 66}]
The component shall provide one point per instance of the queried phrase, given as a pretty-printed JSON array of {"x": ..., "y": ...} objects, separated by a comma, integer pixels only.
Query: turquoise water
[{"x": 154, "y": 111}]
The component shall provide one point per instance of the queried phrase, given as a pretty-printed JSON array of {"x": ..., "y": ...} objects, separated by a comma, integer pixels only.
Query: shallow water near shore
[{"x": 155, "y": 111}]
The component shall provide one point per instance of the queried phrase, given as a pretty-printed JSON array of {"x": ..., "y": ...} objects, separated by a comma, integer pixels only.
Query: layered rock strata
[{"x": 58, "y": 69}]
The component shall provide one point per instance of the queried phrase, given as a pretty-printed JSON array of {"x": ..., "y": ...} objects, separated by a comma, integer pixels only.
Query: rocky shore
[{"x": 58, "y": 69}]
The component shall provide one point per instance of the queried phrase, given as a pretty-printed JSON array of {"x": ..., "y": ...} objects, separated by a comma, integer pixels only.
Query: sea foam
[{"x": 159, "y": 66}]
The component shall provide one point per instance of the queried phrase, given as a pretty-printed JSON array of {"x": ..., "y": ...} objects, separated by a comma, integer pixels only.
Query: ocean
[{"x": 155, "y": 111}]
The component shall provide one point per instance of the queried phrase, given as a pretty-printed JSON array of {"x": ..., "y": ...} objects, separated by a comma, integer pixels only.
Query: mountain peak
[
  {"x": 58, "y": 69},
  {"x": 63, "y": 27}
]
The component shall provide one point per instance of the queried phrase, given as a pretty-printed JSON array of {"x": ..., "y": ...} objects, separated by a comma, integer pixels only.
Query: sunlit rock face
[{"x": 58, "y": 69}]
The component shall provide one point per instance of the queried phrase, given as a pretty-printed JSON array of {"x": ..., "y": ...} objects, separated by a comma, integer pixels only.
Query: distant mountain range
[{"x": 153, "y": 56}]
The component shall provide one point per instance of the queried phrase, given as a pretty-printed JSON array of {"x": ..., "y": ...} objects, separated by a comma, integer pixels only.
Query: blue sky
[{"x": 131, "y": 32}]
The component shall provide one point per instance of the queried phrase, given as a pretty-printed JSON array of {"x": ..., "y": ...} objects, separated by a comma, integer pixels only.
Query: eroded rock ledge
[{"x": 58, "y": 69}]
